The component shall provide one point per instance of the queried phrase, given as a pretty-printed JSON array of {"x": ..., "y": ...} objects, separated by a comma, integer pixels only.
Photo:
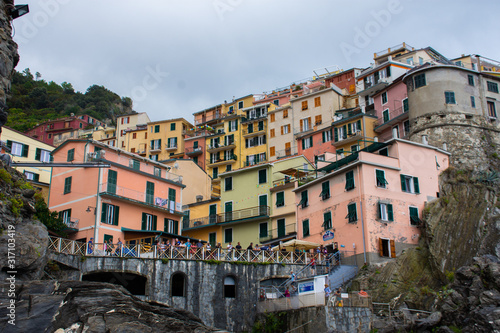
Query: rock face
[
  {"x": 74, "y": 306},
  {"x": 8, "y": 56},
  {"x": 23, "y": 239}
]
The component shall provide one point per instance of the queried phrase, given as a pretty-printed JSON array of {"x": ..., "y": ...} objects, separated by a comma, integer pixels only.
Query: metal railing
[
  {"x": 235, "y": 215},
  {"x": 392, "y": 115},
  {"x": 193, "y": 151},
  {"x": 286, "y": 152},
  {"x": 277, "y": 233},
  {"x": 67, "y": 246}
]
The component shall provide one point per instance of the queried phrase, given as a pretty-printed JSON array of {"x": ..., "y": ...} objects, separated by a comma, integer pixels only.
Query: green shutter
[
  {"x": 379, "y": 211},
  {"x": 305, "y": 228},
  {"x": 262, "y": 176},
  {"x": 310, "y": 142},
  {"x": 25, "y": 150},
  {"x": 71, "y": 155},
  {"x": 9, "y": 144},
  {"x": 390, "y": 214},
  {"x": 171, "y": 194},
  {"x": 116, "y": 216},
  {"x": 327, "y": 220},
  {"x": 403, "y": 183},
  {"x": 36, "y": 177},
  {"x": 359, "y": 124},
  {"x": 323, "y": 137},
  {"x": 303, "y": 144},
  {"x": 349, "y": 129},
  {"x": 67, "y": 185},
  {"x": 144, "y": 223},
  {"x": 351, "y": 213},
  {"x": 150, "y": 193},
  {"x": 335, "y": 134},
  {"x": 280, "y": 199},
  {"x": 112, "y": 180},
  {"x": 38, "y": 154},
  {"x": 176, "y": 227},
  {"x": 415, "y": 185},
  {"x": 154, "y": 222},
  {"x": 380, "y": 174},
  {"x": 236, "y": 122},
  {"x": 344, "y": 131},
  {"x": 261, "y": 125},
  {"x": 263, "y": 230},
  {"x": 349, "y": 180},
  {"x": 414, "y": 215},
  {"x": 104, "y": 212},
  {"x": 281, "y": 228}
]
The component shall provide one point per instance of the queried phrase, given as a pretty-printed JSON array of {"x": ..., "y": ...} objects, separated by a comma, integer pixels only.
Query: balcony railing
[
  {"x": 255, "y": 130},
  {"x": 220, "y": 146},
  {"x": 193, "y": 151},
  {"x": 208, "y": 118},
  {"x": 253, "y": 212},
  {"x": 286, "y": 152},
  {"x": 171, "y": 146},
  {"x": 249, "y": 119},
  {"x": 275, "y": 234},
  {"x": 392, "y": 115},
  {"x": 220, "y": 161},
  {"x": 260, "y": 160},
  {"x": 71, "y": 223}
]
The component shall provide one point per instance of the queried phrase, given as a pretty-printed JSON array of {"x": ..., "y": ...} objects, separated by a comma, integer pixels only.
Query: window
[
  {"x": 71, "y": 155},
  {"x": 387, "y": 248},
  {"x": 65, "y": 215},
  {"x": 352, "y": 215},
  {"x": 406, "y": 106},
  {"x": 471, "y": 80},
  {"x": 409, "y": 184},
  {"x": 172, "y": 142},
  {"x": 340, "y": 133},
  {"x": 420, "y": 60},
  {"x": 136, "y": 165},
  {"x": 419, "y": 80},
  {"x": 305, "y": 228},
  {"x": 304, "y": 201},
  {"x": 281, "y": 227},
  {"x": 233, "y": 125},
  {"x": 492, "y": 112},
  {"x": 385, "y": 115},
  {"x": 228, "y": 183},
  {"x": 317, "y": 120},
  {"x": 388, "y": 71},
  {"x": 67, "y": 185},
  {"x": 155, "y": 144},
  {"x": 230, "y": 285},
  {"x": 380, "y": 176},
  {"x": 492, "y": 86},
  {"x": 304, "y": 105},
  {"x": 109, "y": 214},
  {"x": 276, "y": 102},
  {"x": 325, "y": 190},
  {"x": 240, "y": 105},
  {"x": 327, "y": 220},
  {"x": 263, "y": 230},
  {"x": 134, "y": 135},
  {"x": 272, "y": 117},
  {"x": 172, "y": 126},
  {"x": 32, "y": 176},
  {"x": 385, "y": 212},
  {"x": 272, "y": 151},
  {"x": 327, "y": 136},
  {"x": 112, "y": 181},
  {"x": 449, "y": 97},
  {"x": 157, "y": 128},
  {"x": 317, "y": 101},
  {"x": 280, "y": 199},
  {"x": 171, "y": 226},
  {"x": 42, "y": 155},
  {"x": 263, "y": 176},
  {"x": 349, "y": 180},
  {"x": 354, "y": 148},
  {"x": 148, "y": 222},
  {"x": 472, "y": 102},
  {"x": 285, "y": 114},
  {"x": 157, "y": 172},
  {"x": 414, "y": 219},
  {"x": 384, "y": 98},
  {"x": 272, "y": 133},
  {"x": 305, "y": 124},
  {"x": 150, "y": 193},
  {"x": 285, "y": 129},
  {"x": 228, "y": 235},
  {"x": 178, "y": 285},
  {"x": 231, "y": 109},
  {"x": 409, "y": 61},
  {"x": 215, "y": 173},
  {"x": 307, "y": 143}
]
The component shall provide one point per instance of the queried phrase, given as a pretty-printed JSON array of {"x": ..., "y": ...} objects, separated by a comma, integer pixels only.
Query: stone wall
[
  {"x": 347, "y": 319},
  {"x": 472, "y": 140},
  {"x": 204, "y": 284}
]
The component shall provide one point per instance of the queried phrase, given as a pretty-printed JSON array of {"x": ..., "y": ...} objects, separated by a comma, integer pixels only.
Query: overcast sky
[{"x": 174, "y": 58}]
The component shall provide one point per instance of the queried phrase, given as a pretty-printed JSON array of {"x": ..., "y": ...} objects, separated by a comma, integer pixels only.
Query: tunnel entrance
[{"x": 134, "y": 283}]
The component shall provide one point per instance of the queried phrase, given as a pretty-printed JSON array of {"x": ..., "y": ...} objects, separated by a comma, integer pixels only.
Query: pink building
[
  {"x": 391, "y": 109},
  {"x": 135, "y": 199},
  {"x": 49, "y": 130},
  {"x": 316, "y": 144},
  {"x": 370, "y": 203}
]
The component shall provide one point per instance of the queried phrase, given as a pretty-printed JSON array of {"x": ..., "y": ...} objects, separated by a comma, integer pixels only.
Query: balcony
[
  {"x": 348, "y": 138},
  {"x": 256, "y": 130},
  {"x": 140, "y": 198},
  {"x": 394, "y": 117},
  {"x": 222, "y": 161},
  {"x": 71, "y": 224},
  {"x": 279, "y": 234},
  {"x": 191, "y": 133},
  {"x": 220, "y": 147},
  {"x": 155, "y": 149},
  {"x": 193, "y": 151},
  {"x": 171, "y": 147},
  {"x": 255, "y": 160},
  {"x": 233, "y": 217},
  {"x": 208, "y": 118},
  {"x": 286, "y": 152},
  {"x": 254, "y": 118}
]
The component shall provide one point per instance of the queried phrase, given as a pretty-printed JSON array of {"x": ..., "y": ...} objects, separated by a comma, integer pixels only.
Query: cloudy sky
[{"x": 174, "y": 58}]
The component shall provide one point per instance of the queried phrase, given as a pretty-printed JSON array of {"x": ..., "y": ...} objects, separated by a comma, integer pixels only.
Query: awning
[
  {"x": 294, "y": 173},
  {"x": 298, "y": 244}
]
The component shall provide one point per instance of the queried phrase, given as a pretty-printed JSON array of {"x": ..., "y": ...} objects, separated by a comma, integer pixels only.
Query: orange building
[{"x": 134, "y": 199}]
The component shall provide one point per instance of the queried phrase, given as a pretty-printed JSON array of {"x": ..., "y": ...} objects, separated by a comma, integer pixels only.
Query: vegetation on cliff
[{"x": 33, "y": 101}]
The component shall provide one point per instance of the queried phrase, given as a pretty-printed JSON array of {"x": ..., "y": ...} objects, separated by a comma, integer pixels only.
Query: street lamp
[{"x": 19, "y": 10}]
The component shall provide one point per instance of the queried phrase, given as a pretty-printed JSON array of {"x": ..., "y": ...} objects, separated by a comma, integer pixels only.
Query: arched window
[
  {"x": 178, "y": 285},
  {"x": 229, "y": 287}
]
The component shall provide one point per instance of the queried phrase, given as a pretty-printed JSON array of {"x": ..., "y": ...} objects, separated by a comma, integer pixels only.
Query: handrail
[{"x": 147, "y": 251}]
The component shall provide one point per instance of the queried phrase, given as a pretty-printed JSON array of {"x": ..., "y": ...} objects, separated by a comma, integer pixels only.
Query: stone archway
[{"x": 134, "y": 283}]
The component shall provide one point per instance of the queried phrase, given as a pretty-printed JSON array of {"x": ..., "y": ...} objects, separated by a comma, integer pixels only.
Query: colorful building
[
  {"x": 134, "y": 199},
  {"x": 24, "y": 148},
  {"x": 166, "y": 139},
  {"x": 127, "y": 122},
  {"x": 371, "y": 202}
]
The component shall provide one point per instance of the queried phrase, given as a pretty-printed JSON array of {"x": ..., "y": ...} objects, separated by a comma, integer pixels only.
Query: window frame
[
  {"x": 280, "y": 203},
  {"x": 492, "y": 86},
  {"x": 304, "y": 229},
  {"x": 228, "y": 184},
  {"x": 262, "y": 176},
  {"x": 383, "y": 97},
  {"x": 349, "y": 180},
  {"x": 70, "y": 155},
  {"x": 385, "y": 212},
  {"x": 352, "y": 214},
  {"x": 380, "y": 180},
  {"x": 325, "y": 190},
  {"x": 327, "y": 223},
  {"x": 419, "y": 80},
  {"x": 449, "y": 97},
  {"x": 67, "y": 184},
  {"x": 228, "y": 232}
]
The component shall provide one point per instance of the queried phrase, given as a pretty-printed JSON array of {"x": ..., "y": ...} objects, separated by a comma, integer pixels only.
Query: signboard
[
  {"x": 306, "y": 286},
  {"x": 328, "y": 235}
]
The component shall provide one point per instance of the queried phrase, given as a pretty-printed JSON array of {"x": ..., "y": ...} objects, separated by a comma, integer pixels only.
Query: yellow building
[
  {"x": 201, "y": 221},
  {"x": 166, "y": 138},
  {"x": 128, "y": 121},
  {"x": 352, "y": 130},
  {"x": 27, "y": 149},
  {"x": 136, "y": 140},
  {"x": 105, "y": 134}
]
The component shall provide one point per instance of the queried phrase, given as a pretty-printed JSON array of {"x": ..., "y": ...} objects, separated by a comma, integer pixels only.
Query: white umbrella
[{"x": 293, "y": 244}]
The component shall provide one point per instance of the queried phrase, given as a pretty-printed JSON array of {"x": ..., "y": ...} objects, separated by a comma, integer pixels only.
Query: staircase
[{"x": 341, "y": 274}]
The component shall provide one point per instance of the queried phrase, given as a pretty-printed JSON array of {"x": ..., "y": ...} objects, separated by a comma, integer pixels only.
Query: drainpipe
[{"x": 361, "y": 215}]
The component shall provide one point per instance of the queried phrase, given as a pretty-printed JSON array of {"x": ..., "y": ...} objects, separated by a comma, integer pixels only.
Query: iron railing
[
  {"x": 392, "y": 115},
  {"x": 235, "y": 215}
]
